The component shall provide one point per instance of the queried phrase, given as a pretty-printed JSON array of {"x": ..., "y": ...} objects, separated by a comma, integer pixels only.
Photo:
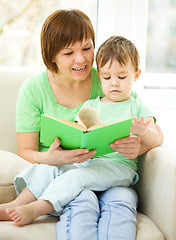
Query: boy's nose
[{"x": 115, "y": 82}]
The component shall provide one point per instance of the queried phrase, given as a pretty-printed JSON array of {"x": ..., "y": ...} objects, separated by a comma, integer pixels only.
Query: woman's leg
[
  {"x": 79, "y": 218},
  {"x": 117, "y": 214}
]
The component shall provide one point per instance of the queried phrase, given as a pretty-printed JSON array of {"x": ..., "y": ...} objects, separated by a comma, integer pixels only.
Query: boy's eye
[
  {"x": 107, "y": 78},
  {"x": 122, "y": 77}
]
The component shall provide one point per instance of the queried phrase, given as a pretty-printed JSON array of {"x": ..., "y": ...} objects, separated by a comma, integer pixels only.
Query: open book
[{"x": 88, "y": 133}]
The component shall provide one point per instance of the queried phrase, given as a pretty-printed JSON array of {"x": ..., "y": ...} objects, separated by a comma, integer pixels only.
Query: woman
[{"x": 67, "y": 42}]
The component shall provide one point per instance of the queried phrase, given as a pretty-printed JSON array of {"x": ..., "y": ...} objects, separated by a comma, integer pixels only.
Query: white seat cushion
[
  {"x": 146, "y": 229},
  {"x": 45, "y": 228}
]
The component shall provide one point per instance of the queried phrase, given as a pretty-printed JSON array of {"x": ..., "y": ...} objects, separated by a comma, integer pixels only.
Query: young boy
[{"x": 118, "y": 68}]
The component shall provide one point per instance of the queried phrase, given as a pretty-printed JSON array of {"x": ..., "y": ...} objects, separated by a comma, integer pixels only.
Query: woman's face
[{"x": 75, "y": 61}]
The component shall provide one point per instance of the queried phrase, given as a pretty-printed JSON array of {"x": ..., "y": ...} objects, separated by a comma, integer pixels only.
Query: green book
[{"x": 91, "y": 134}]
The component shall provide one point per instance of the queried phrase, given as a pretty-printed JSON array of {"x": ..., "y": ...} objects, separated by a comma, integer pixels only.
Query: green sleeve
[
  {"x": 96, "y": 89},
  {"x": 27, "y": 110}
]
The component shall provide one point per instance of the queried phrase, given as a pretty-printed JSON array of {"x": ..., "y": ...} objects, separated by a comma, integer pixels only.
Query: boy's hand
[{"x": 139, "y": 127}]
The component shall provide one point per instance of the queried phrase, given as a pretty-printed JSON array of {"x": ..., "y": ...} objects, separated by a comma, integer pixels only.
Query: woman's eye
[
  {"x": 86, "y": 49},
  {"x": 107, "y": 78},
  {"x": 68, "y": 53},
  {"x": 122, "y": 77}
]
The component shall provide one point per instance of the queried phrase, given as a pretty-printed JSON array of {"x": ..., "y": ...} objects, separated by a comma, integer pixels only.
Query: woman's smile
[{"x": 79, "y": 69}]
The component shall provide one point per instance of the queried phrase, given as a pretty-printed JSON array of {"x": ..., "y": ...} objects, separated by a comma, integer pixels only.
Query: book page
[
  {"x": 88, "y": 117},
  {"x": 105, "y": 124},
  {"x": 73, "y": 124}
]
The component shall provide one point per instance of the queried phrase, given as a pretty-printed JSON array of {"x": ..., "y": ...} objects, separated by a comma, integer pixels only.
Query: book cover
[{"x": 74, "y": 136}]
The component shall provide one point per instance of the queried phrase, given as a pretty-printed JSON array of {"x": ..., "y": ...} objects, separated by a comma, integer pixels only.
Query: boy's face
[{"x": 117, "y": 80}]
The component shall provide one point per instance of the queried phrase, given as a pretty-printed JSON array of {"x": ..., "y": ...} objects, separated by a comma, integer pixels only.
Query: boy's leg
[
  {"x": 79, "y": 218},
  {"x": 24, "y": 197},
  {"x": 118, "y": 214},
  {"x": 25, "y": 214},
  {"x": 99, "y": 175},
  {"x": 36, "y": 178}
]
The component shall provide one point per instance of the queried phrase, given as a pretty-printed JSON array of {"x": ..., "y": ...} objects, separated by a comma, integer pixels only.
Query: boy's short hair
[
  {"x": 62, "y": 28},
  {"x": 120, "y": 49}
]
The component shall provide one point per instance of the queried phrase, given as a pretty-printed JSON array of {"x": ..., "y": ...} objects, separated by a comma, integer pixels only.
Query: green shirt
[
  {"x": 36, "y": 97},
  {"x": 110, "y": 112}
]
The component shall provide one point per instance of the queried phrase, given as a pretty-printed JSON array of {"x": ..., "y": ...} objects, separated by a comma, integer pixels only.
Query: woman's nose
[{"x": 79, "y": 58}]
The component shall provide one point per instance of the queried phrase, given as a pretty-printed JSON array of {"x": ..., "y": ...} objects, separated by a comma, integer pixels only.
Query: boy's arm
[
  {"x": 146, "y": 130},
  {"x": 144, "y": 148}
]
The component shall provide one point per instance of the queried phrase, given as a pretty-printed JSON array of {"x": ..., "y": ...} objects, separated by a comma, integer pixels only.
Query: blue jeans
[{"x": 109, "y": 215}]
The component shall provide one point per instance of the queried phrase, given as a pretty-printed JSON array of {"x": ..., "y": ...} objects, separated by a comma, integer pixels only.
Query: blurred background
[{"x": 150, "y": 24}]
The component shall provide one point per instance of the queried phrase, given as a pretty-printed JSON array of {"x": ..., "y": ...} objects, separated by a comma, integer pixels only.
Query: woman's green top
[{"x": 36, "y": 97}]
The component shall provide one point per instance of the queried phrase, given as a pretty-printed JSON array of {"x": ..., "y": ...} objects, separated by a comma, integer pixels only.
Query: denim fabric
[
  {"x": 109, "y": 215},
  {"x": 60, "y": 185}
]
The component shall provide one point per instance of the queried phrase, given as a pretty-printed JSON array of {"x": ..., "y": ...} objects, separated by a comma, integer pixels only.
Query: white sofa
[{"x": 156, "y": 188}]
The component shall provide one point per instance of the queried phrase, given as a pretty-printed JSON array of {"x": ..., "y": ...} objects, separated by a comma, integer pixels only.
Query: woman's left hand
[{"x": 128, "y": 147}]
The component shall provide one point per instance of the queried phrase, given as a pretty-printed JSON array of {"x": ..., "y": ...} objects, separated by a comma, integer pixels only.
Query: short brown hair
[
  {"x": 62, "y": 28},
  {"x": 120, "y": 49}
]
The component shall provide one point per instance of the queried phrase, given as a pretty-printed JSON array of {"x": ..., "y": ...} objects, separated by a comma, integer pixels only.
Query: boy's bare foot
[
  {"x": 25, "y": 214},
  {"x": 25, "y": 197},
  {"x": 22, "y": 215},
  {"x": 3, "y": 215}
]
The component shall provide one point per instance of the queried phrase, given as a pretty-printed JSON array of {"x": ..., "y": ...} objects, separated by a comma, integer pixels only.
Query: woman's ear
[{"x": 137, "y": 74}]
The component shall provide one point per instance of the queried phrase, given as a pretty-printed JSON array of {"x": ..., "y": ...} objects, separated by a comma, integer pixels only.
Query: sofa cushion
[
  {"x": 146, "y": 229},
  {"x": 10, "y": 166},
  {"x": 11, "y": 79},
  {"x": 45, "y": 228}
]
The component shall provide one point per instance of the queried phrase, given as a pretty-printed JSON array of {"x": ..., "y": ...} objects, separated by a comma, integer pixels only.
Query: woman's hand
[
  {"x": 28, "y": 149},
  {"x": 128, "y": 147},
  {"x": 57, "y": 156}
]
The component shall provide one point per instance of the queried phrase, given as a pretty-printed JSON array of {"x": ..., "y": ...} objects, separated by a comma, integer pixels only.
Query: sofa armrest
[
  {"x": 10, "y": 166},
  {"x": 157, "y": 188}
]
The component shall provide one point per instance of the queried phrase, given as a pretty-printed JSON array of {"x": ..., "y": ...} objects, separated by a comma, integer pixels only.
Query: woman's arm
[
  {"x": 28, "y": 149},
  {"x": 143, "y": 148}
]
